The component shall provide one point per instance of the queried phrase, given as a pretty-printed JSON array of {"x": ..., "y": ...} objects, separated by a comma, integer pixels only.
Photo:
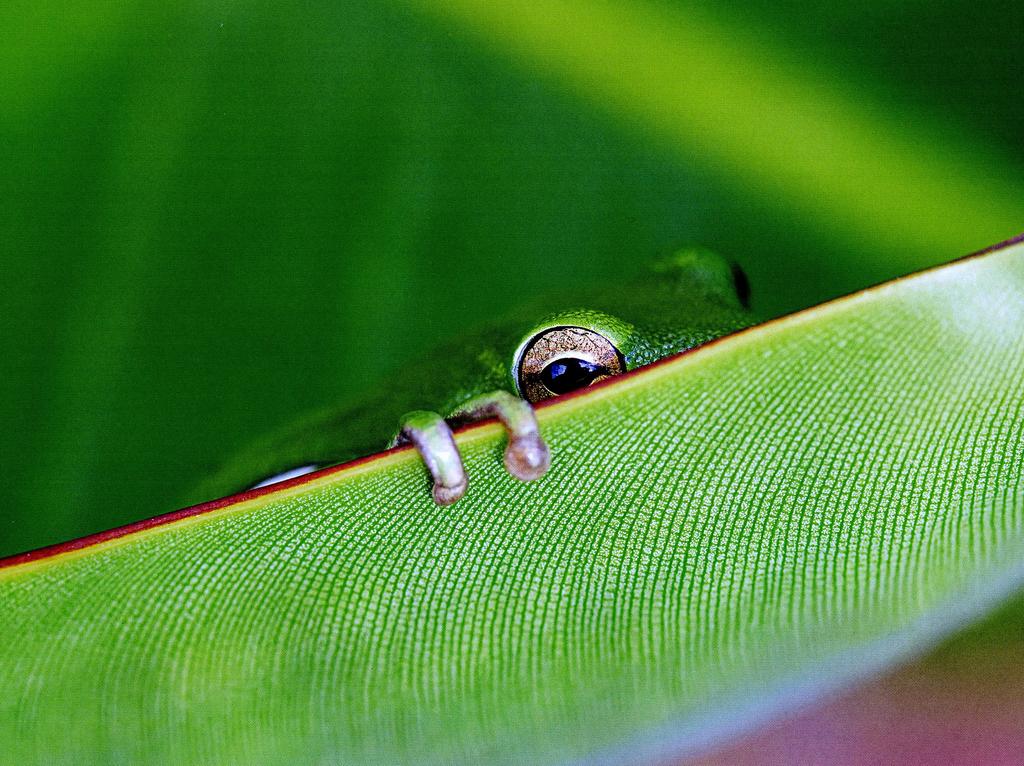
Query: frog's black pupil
[{"x": 564, "y": 375}]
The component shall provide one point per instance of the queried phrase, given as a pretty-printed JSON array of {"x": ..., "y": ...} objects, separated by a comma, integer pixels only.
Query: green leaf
[
  {"x": 219, "y": 216},
  {"x": 724, "y": 532},
  {"x": 687, "y": 78}
]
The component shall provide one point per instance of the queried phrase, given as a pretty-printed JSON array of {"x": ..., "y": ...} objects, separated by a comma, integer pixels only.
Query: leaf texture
[{"x": 720, "y": 534}]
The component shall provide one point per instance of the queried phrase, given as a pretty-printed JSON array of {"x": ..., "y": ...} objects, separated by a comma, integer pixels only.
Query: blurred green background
[{"x": 217, "y": 216}]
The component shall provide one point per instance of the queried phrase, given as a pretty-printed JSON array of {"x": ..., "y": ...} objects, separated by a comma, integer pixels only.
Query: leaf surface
[{"x": 720, "y": 534}]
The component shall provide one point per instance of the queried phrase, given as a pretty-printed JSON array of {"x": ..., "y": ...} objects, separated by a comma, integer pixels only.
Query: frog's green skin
[{"x": 680, "y": 302}]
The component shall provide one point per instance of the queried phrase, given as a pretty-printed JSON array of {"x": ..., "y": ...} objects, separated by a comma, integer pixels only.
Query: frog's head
[
  {"x": 682, "y": 301},
  {"x": 548, "y": 348}
]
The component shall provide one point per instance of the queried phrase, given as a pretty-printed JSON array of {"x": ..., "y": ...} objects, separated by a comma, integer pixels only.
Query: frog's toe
[
  {"x": 433, "y": 439},
  {"x": 527, "y": 456},
  {"x": 447, "y": 495}
]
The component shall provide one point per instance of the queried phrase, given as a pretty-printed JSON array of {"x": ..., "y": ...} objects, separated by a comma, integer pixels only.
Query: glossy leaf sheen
[{"x": 779, "y": 511}]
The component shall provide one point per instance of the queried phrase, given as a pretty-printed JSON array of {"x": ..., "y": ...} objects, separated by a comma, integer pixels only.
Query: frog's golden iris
[{"x": 562, "y": 359}]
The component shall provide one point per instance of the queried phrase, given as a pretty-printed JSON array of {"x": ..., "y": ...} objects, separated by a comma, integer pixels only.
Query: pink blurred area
[{"x": 963, "y": 704}]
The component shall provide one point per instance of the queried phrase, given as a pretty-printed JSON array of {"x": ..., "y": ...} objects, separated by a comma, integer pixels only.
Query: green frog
[{"x": 549, "y": 347}]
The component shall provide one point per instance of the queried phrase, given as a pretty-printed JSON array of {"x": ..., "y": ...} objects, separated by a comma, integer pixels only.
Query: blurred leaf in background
[
  {"x": 959, "y": 704},
  {"x": 218, "y": 216}
]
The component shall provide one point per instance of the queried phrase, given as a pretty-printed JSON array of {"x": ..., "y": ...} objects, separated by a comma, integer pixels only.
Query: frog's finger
[
  {"x": 433, "y": 439},
  {"x": 527, "y": 456}
]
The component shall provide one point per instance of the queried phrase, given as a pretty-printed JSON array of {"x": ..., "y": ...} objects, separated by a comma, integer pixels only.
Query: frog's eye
[{"x": 563, "y": 359}]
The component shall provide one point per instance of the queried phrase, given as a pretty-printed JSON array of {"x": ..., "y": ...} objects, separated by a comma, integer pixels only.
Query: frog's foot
[
  {"x": 527, "y": 456},
  {"x": 433, "y": 439}
]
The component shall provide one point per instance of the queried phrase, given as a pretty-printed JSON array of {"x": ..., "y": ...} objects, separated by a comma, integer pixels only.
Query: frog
[{"x": 550, "y": 346}]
